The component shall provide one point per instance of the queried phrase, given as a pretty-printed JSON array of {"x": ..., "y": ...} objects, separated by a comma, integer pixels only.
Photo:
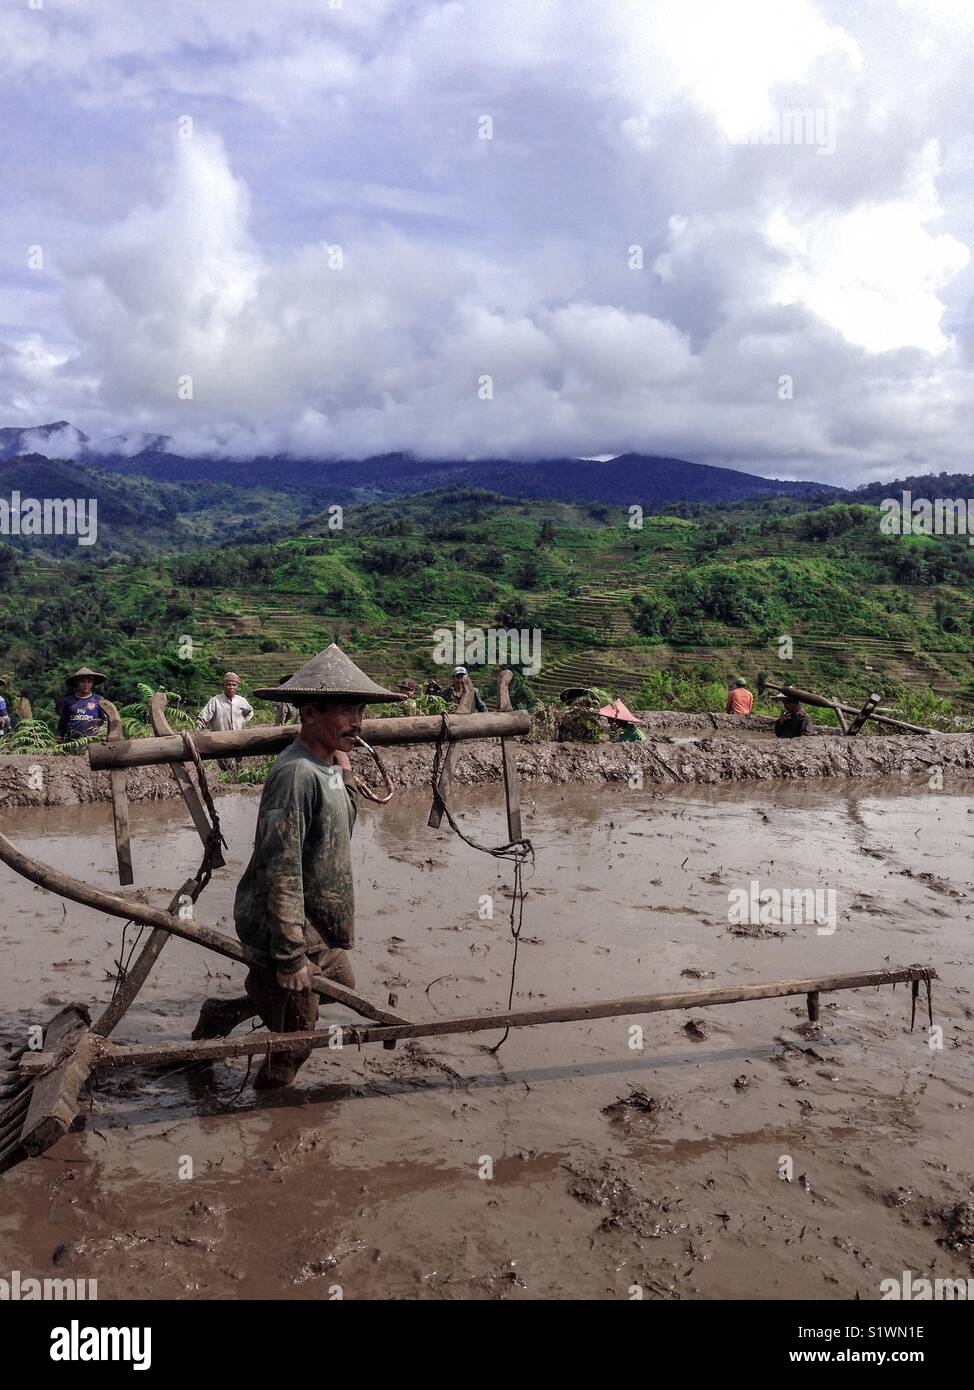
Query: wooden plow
[
  {"x": 860, "y": 713},
  {"x": 41, "y": 1086},
  {"x": 35, "y": 1113}
]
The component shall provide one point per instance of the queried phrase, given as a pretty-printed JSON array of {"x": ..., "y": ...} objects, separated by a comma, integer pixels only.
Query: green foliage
[
  {"x": 400, "y": 709},
  {"x": 664, "y": 690},
  {"x": 721, "y": 582},
  {"x": 135, "y": 716},
  {"x": 37, "y": 736}
]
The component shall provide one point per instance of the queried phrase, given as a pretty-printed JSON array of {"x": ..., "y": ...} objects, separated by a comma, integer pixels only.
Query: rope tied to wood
[{"x": 518, "y": 851}]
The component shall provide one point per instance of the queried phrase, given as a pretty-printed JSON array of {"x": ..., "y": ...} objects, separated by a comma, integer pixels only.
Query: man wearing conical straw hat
[
  {"x": 295, "y": 903},
  {"x": 80, "y": 713}
]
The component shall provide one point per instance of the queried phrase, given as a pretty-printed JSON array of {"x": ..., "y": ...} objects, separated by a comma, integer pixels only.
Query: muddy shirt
[
  {"x": 296, "y": 892},
  {"x": 80, "y": 716},
  {"x": 794, "y": 726}
]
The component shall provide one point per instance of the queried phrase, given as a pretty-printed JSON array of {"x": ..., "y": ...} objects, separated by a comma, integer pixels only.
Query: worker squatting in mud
[{"x": 294, "y": 905}]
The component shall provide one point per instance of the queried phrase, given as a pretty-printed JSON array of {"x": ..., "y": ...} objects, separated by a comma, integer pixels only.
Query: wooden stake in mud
[
  {"x": 839, "y": 715},
  {"x": 512, "y": 798},
  {"x": 445, "y": 784},
  {"x": 120, "y": 800}
]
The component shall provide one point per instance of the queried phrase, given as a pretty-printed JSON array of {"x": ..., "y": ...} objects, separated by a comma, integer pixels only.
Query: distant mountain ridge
[{"x": 644, "y": 479}]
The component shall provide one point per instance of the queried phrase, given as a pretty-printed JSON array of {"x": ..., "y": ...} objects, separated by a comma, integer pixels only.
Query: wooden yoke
[{"x": 120, "y": 800}]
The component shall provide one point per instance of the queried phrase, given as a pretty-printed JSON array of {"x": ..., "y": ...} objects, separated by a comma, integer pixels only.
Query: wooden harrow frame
[{"x": 40, "y": 1089}]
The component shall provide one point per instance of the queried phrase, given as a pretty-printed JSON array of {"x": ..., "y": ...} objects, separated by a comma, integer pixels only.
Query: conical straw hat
[
  {"x": 96, "y": 676},
  {"x": 331, "y": 672}
]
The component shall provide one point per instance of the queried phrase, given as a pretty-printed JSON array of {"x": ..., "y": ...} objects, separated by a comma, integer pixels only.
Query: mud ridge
[{"x": 666, "y": 758}]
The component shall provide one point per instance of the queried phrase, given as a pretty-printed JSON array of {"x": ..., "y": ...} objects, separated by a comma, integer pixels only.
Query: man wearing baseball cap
[{"x": 455, "y": 691}]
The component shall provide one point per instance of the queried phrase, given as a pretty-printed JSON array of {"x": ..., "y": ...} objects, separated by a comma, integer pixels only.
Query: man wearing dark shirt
[
  {"x": 452, "y": 693},
  {"x": 81, "y": 714},
  {"x": 792, "y": 722},
  {"x": 295, "y": 904}
]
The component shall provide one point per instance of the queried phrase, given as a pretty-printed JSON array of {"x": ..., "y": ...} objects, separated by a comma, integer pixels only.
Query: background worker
[
  {"x": 739, "y": 698},
  {"x": 284, "y": 711},
  {"x": 453, "y": 692},
  {"x": 80, "y": 714},
  {"x": 624, "y": 726},
  {"x": 228, "y": 710},
  {"x": 792, "y": 722}
]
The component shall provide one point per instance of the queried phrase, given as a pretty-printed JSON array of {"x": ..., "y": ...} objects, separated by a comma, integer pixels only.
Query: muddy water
[{"x": 366, "y": 1177}]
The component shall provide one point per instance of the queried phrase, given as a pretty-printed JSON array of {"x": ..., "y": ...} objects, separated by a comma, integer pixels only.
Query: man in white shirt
[{"x": 227, "y": 711}]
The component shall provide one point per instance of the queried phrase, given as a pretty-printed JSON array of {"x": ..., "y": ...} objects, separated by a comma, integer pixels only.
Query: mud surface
[{"x": 611, "y": 1167}]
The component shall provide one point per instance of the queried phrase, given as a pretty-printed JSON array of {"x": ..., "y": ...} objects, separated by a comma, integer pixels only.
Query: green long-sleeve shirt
[{"x": 296, "y": 893}]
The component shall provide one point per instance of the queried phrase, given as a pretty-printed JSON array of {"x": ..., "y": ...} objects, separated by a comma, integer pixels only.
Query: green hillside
[{"x": 659, "y": 613}]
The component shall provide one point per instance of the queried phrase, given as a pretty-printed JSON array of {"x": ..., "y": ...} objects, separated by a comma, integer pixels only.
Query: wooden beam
[
  {"x": 182, "y": 775},
  {"x": 54, "y": 1099},
  {"x": 120, "y": 801},
  {"x": 153, "y": 1054},
  {"x": 808, "y": 697},
  {"x": 863, "y": 714},
  {"x": 130, "y": 909},
  {"x": 138, "y": 973},
  {"x": 273, "y": 738}
]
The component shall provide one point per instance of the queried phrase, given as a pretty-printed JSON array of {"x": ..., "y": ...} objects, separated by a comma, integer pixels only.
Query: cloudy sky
[{"x": 294, "y": 207}]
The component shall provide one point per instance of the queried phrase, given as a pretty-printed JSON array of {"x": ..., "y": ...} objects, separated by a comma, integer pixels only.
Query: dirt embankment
[
  {"x": 679, "y": 755},
  {"x": 68, "y": 781},
  {"x": 704, "y": 760}
]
